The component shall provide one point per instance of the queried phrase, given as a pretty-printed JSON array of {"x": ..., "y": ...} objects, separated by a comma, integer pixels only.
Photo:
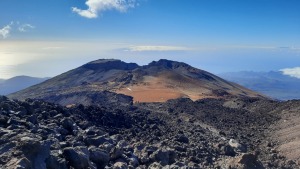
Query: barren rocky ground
[
  {"x": 285, "y": 132},
  {"x": 181, "y": 133}
]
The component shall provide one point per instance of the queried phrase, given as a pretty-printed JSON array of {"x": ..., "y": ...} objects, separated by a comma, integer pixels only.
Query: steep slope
[
  {"x": 273, "y": 84},
  {"x": 18, "y": 83},
  {"x": 286, "y": 132},
  {"x": 157, "y": 82},
  {"x": 164, "y": 80}
]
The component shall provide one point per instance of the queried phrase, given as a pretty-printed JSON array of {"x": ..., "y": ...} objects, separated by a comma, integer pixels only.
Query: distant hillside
[
  {"x": 18, "y": 83},
  {"x": 158, "y": 81},
  {"x": 273, "y": 84}
]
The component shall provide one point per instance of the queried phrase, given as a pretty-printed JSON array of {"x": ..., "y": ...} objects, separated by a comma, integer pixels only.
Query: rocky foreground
[{"x": 209, "y": 133}]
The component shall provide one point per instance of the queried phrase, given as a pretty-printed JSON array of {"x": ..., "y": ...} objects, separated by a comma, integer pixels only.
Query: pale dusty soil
[{"x": 287, "y": 133}]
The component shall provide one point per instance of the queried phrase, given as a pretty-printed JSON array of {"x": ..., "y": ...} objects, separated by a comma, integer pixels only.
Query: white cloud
[
  {"x": 96, "y": 7},
  {"x": 5, "y": 31},
  {"x": 25, "y": 27},
  {"x": 293, "y": 72},
  {"x": 156, "y": 48}
]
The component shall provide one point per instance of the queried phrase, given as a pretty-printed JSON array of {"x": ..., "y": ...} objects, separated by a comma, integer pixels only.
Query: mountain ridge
[
  {"x": 158, "y": 81},
  {"x": 17, "y": 83}
]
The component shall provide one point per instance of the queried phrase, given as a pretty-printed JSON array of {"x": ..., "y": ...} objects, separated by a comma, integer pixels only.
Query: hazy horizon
[{"x": 44, "y": 39}]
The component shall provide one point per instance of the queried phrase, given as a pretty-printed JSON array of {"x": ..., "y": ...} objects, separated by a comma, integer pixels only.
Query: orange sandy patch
[
  {"x": 154, "y": 89},
  {"x": 157, "y": 95}
]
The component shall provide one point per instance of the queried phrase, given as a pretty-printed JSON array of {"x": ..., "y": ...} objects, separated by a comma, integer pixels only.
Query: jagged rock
[
  {"x": 3, "y": 120},
  {"x": 99, "y": 157},
  {"x": 227, "y": 150},
  {"x": 182, "y": 138},
  {"x": 53, "y": 113},
  {"x": 55, "y": 161},
  {"x": 116, "y": 152},
  {"x": 155, "y": 165},
  {"x": 32, "y": 119},
  {"x": 107, "y": 146},
  {"x": 245, "y": 161},
  {"x": 14, "y": 121},
  {"x": 96, "y": 140},
  {"x": 22, "y": 112},
  {"x": 162, "y": 156},
  {"x": 116, "y": 137},
  {"x": 15, "y": 163},
  {"x": 92, "y": 131},
  {"x": 36, "y": 151},
  {"x": 122, "y": 144},
  {"x": 77, "y": 157},
  {"x": 67, "y": 123},
  {"x": 133, "y": 161},
  {"x": 235, "y": 144},
  {"x": 4, "y": 149},
  {"x": 144, "y": 158}
]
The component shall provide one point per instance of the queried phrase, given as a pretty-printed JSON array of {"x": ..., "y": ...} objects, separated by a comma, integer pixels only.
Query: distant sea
[{"x": 7, "y": 72}]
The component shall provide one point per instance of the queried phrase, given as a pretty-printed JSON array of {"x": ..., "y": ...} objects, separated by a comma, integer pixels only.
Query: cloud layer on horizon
[
  {"x": 96, "y": 7},
  {"x": 293, "y": 72},
  {"x": 156, "y": 48}
]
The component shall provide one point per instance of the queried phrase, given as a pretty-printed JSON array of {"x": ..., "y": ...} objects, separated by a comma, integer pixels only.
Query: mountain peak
[
  {"x": 109, "y": 64},
  {"x": 158, "y": 81},
  {"x": 101, "y": 61},
  {"x": 168, "y": 64}
]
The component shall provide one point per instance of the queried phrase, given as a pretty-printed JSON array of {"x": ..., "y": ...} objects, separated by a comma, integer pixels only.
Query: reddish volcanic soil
[{"x": 155, "y": 89}]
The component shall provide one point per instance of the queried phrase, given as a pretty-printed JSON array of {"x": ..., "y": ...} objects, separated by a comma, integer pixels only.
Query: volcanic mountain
[{"x": 158, "y": 81}]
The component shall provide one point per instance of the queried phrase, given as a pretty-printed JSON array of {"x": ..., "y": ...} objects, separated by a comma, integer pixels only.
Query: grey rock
[
  {"x": 36, "y": 151},
  {"x": 67, "y": 123},
  {"x": 235, "y": 144},
  {"x": 32, "y": 119},
  {"x": 107, "y": 146},
  {"x": 99, "y": 157},
  {"x": 96, "y": 140},
  {"x": 78, "y": 157},
  {"x": 162, "y": 156},
  {"x": 56, "y": 162},
  {"x": 116, "y": 153},
  {"x": 155, "y": 165},
  {"x": 228, "y": 150},
  {"x": 15, "y": 163},
  {"x": 182, "y": 138},
  {"x": 133, "y": 161}
]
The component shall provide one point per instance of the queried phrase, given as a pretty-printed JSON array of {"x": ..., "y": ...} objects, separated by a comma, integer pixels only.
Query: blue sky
[{"x": 46, "y": 38}]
